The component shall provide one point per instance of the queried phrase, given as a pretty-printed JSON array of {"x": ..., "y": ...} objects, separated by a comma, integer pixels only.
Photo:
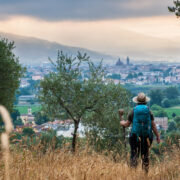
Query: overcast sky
[
  {"x": 118, "y": 27},
  {"x": 54, "y": 10}
]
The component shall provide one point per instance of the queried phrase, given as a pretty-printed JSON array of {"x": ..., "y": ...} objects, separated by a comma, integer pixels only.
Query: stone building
[
  {"x": 161, "y": 122},
  {"x": 28, "y": 118},
  {"x": 119, "y": 63}
]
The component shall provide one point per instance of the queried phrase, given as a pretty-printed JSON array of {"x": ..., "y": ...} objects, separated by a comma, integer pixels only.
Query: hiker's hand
[
  {"x": 158, "y": 140},
  {"x": 123, "y": 123}
]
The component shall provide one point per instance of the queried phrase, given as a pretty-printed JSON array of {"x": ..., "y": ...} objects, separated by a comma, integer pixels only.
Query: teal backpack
[{"x": 142, "y": 121}]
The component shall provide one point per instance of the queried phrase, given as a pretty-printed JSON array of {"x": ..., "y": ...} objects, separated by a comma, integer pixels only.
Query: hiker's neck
[{"x": 141, "y": 104}]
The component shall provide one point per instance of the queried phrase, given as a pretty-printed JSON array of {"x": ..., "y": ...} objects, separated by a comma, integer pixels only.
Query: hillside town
[
  {"x": 143, "y": 74},
  {"x": 66, "y": 127},
  {"x": 121, "y": 72}
]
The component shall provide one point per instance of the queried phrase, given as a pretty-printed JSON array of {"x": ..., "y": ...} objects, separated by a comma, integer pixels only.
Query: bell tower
[{"x": 29, "y": 111}]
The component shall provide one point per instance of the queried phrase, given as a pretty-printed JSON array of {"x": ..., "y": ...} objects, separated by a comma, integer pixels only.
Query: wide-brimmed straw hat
[{"x": 141, "y": 98}]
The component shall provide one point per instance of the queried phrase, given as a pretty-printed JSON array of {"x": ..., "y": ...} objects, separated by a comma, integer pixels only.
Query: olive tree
[
  {"x": 67, "y": 91},
  {"x": 176, "y": 8},
  {"x": 10, "y": 73},
  {"x": 104, "y": 130}
]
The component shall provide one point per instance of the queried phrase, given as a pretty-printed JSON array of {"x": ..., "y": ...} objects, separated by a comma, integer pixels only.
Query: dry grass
[
  {"x": 5, "y": 140},
  {"x": 62, "y": 164},
  {"x": 26, "y": 164}
]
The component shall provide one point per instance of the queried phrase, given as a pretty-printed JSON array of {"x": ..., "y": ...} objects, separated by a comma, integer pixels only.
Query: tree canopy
[
  {"x": 171, "y": 126},
  {"x": 66, "y": 91},
  {"x": 158, "y": 111},
  {"x": 171, "y": 92},
  {"x": 15, "y": 115},
  {"x": 156, "y": 96},
  {"x": 104, "y": 130},
  {"x": 10, "y": 73},
  {"x": 28, "y": 132},
  {"x": 40, "y": 118},
  {"x": 176, "y": 8}
]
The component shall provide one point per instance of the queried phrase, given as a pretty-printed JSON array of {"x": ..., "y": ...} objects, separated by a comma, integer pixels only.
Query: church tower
[
  {"x": 29, "y": 111},
  {"x": 119, "y": 62},
  {"x": 127, "y": 61}
]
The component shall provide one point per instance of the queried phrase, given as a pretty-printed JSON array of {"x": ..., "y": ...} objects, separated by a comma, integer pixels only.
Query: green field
[
  {"x": 24, "y": 109},
  {"x": 36, "y": 108},
  {"x": 172, "y": 110},
  {"x": 135, "y": 89}
]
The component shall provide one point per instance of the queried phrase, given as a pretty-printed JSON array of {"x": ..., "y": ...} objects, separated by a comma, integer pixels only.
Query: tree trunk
[{"x": 76, "y": 124}]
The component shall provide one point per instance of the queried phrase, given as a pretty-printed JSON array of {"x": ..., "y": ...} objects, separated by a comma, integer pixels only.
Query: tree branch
[
  {"x": 67, "y": 109},
  {"x": 88, "y": 108}
]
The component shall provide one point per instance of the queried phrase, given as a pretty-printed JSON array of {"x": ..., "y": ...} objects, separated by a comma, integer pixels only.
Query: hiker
[{"x": 141, "y": 135}]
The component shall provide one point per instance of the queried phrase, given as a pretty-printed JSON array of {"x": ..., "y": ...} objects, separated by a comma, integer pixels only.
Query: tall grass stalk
[
  {"x": 5, "y": 139},
  {"x": 62, "y": 164}
]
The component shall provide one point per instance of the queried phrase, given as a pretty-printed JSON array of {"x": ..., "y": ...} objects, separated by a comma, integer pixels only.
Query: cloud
[
  {"x": 54, "y": 10},
  {"x": 141, "y": 38}
]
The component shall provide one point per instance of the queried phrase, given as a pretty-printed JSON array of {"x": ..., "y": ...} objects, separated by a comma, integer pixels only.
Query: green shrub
[
  {"x": 28, "y": 132},
  {"x": 166, "y": 103},
  {"x": 50, "y": 140},
  {"x": 158, "y": 111}
]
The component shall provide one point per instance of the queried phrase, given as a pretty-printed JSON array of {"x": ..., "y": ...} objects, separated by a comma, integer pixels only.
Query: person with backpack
[{"x": 141, "y": 135}]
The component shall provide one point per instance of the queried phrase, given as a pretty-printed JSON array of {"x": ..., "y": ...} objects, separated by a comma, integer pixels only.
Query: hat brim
[{"x": 136, "y": 101}]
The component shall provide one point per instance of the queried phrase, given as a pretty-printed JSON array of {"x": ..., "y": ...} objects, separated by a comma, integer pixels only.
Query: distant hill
[{"x": 35, "y": 51}]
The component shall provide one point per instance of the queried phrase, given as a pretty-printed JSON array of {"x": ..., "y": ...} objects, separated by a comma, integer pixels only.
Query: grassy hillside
[
  {"x": 62, "y": 165},
  {"x": 36, "y": 108},
  {"x": 172, "y": 110},
  {"x": 24, "y": 109}
]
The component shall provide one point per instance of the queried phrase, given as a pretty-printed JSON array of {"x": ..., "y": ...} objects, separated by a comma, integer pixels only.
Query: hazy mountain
[
  {"x": 139, "y": 47},
  {"x": 35, "y": 51},
  {"x": 143, "y": 47}
]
